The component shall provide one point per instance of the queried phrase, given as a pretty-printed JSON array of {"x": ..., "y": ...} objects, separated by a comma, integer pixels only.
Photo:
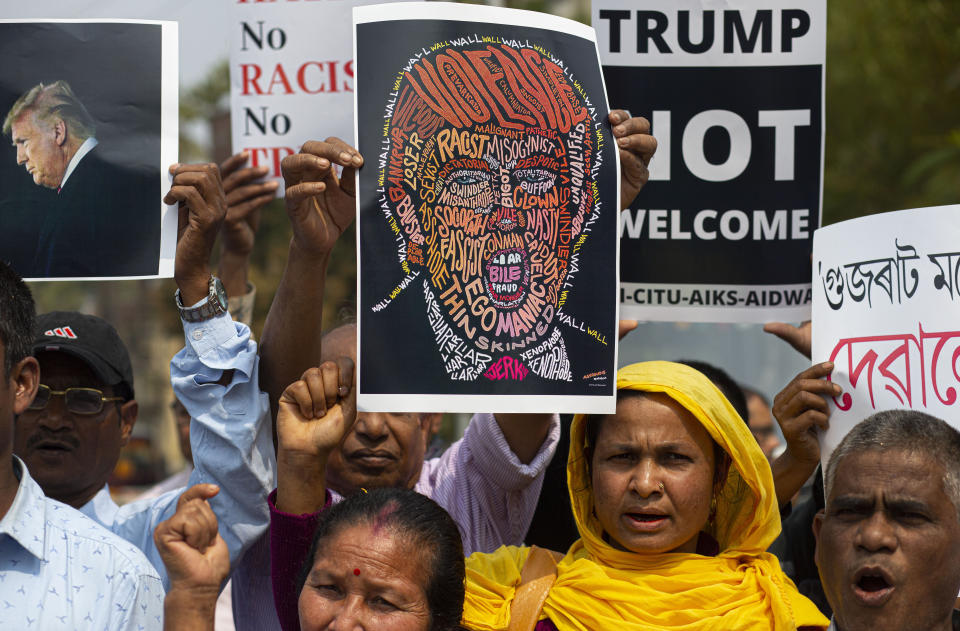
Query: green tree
[{"x": 892, "y": 131}]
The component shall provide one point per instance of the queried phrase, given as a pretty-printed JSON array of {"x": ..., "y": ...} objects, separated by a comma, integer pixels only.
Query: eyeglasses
[{"x": 85, "y": 401}]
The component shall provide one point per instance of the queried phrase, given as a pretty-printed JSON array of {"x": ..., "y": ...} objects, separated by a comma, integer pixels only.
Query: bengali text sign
[{"x": 886, "y": 311}]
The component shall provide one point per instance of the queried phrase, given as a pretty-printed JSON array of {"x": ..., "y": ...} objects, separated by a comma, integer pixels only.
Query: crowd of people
[{"x": 678, "y": 511}]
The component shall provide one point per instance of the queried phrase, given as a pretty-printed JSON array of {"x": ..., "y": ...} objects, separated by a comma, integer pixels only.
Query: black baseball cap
[{"x": 89, "y": 338}]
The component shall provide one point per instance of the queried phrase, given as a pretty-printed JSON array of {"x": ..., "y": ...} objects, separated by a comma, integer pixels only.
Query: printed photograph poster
[
  {"x": 723, "y": 230},
  {"x": 291, "y": 76},
  {"x": 886, "y": 311},
  {"x": 487, "y": 212},
  {"x": 90, "y": 127}
]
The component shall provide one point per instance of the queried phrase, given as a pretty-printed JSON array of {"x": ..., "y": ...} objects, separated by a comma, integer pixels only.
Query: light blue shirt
[
  {"x": 60, "y": 570},
  {"x": 230, "y": 435}
]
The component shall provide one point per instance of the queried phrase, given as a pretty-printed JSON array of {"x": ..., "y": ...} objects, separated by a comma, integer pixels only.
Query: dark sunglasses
[{"x": 86, "y": 401}]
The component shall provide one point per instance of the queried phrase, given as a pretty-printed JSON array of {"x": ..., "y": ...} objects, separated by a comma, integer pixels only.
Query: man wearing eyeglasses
[
  {"x": 83, "y": 414},
  {"x": 58, "y": 569},
  {"x": 71, "y": 434}
]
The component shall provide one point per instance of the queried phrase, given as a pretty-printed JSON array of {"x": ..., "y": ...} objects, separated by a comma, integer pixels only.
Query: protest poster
[
  {"x": 291, "y": 76},
  {"x": 734, "y": 93},
  {"x": 83, "y": 175},
  {"x": 886, "y": 311},
  {"x": 487, "y": 213}
]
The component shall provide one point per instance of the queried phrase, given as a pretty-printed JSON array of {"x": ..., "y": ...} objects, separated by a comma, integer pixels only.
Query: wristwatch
[{"x": 215, "y": 304}]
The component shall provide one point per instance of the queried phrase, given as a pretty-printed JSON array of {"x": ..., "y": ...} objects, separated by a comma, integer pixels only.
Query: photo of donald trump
[{"x": 104, "y": 221}]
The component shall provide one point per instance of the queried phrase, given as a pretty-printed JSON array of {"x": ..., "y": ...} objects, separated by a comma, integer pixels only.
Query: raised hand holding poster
[
  {"x": 487, "y": 212},
  {"x": 722, "y": 232},
  {"x": 886, "y": 312}
]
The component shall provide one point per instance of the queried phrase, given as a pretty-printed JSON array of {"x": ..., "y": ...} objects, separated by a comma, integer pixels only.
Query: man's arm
[
  {"x": 482, "y": 482},
  {"x": 230, "y": 428},
  {"x": 801, "y": 410},
  {"x": 321, "y": 206},
  {"x": 525, "y": 433},
  {"x": 215, "y": 377},
  {"x": 245, "y": 196},
  {"x": 197, "y": 561},
  {"x": 636, "y": 147}
]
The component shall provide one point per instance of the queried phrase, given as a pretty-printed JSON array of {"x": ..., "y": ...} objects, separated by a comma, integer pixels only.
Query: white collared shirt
[
  {"x": 60, "y": 570},
  {"x": 84, "y": 149}
]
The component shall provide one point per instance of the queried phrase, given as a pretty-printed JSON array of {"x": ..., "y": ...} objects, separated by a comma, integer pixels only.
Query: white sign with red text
[
  {"x": 886, "y": 311},
  {"x": 291, "y": 75}
]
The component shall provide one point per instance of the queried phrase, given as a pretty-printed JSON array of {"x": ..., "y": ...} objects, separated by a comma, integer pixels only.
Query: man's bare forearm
[
  {"x": 189, "y": 610},
  {"x": 524, "y": 433},
  {"x": 789, "y": 476},
  {"x": 232, "y": 271},
  {"x": 291, "y": 335}
]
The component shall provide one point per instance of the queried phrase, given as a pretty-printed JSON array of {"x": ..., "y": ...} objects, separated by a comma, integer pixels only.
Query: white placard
[
  {"x": 886, "y": 311},
  {"x": 291, "y": 76}
]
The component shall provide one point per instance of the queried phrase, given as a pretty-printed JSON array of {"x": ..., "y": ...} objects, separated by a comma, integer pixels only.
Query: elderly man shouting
[{"x": 888, "y": 543}]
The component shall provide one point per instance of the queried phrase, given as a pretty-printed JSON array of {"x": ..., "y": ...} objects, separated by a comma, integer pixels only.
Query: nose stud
[{"x": 660, "y": 486}]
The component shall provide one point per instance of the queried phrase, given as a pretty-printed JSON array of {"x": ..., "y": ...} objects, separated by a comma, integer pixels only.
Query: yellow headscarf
[{"x": 599, "y": 587}]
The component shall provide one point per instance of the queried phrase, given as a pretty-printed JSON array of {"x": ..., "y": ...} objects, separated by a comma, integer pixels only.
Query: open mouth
[
  {"x": 872, "y": 586},
  {"x": 506, "y": 223},
  {"x": 647, "y": 521},
  {"x": 506, "y": 277}
]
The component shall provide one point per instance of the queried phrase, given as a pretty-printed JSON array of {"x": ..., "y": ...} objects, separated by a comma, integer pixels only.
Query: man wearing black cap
[
  {"x": 71, "y": 443},
  {"x": 58, "y": 569},
  {"x": 85, "y": 410}
]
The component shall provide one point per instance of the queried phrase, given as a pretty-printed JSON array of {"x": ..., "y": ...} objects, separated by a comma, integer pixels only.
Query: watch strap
[{"x": 209, "y": 307}]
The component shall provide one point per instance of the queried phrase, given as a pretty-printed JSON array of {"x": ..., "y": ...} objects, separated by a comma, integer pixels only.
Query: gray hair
[
  {"x": 54, "y": 100},
  {"x": 904, "y": 430}
]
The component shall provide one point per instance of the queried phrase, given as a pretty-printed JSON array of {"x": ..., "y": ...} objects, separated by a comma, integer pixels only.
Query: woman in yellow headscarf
[{"x": 675, "y": 506}]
